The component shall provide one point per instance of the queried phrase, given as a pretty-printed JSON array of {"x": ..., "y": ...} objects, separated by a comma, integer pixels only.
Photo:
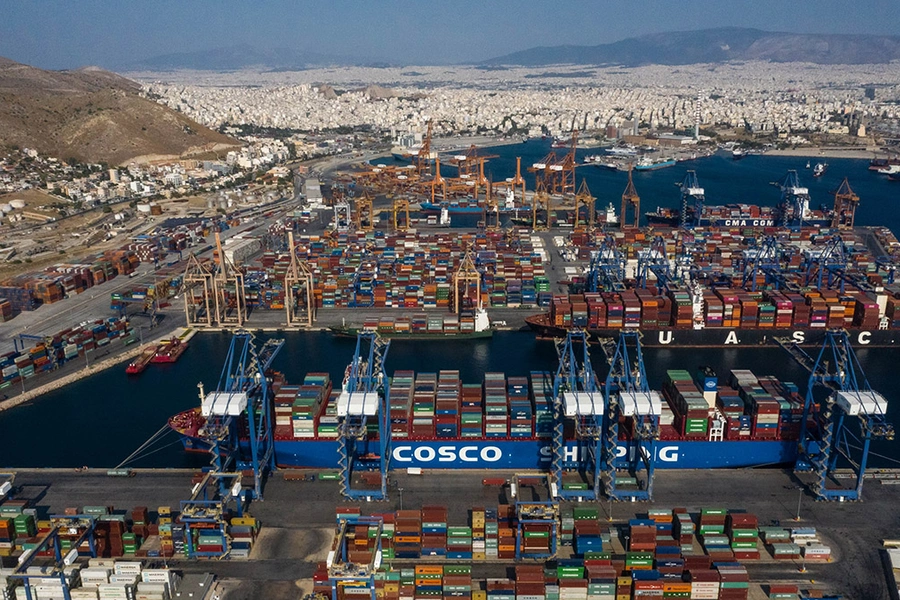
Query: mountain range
[
  {"x": 94, "y": 116},
  {"x": 716, "y": 45},
  {"x": 673, "y": 48}
]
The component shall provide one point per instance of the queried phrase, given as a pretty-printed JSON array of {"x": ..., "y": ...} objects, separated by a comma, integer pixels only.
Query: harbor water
[{"x": 100, "y": 420}]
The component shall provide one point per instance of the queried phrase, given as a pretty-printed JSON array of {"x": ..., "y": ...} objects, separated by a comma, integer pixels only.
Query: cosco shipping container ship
[{"x": 438, "y": 422}]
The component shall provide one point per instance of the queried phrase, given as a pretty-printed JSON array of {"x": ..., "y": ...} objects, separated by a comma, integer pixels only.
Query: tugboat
[{"x": 820, "y": 169}]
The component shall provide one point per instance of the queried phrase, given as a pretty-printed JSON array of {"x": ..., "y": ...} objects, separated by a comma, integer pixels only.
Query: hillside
[
  {"x": 92, "y": 115},
  {"x": 716, "y": 45}
]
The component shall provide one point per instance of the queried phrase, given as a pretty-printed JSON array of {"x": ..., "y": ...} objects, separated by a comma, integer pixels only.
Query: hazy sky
[{"x": 70, "y": 33}]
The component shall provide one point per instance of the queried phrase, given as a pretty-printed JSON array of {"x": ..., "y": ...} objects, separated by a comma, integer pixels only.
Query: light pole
[
  {"x": 799, "y": 500},
  {"x": 610, "y": 509},
  {"x": 400, "y": 491}
]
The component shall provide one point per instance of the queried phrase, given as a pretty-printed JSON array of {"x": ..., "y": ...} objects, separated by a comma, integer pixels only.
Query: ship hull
[
  {"x": 728, "y": 337},
  {"x": 352, "y": 332},
  {"x": 529, "y": 454}
]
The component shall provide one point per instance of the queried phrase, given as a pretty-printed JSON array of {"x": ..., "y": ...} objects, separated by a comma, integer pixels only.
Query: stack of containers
[
  {"x": 561, "y": 312},
  {"x": 587, "y": 534},
  {"x": 491, "y": 534},
  {"x": 734, "y": 582},
  {"x": 457, "y": 582},
  {"x": 506, "y": 534},
  {"x": 401, "y": 393},
  {"x": 567, "y": 529},
  {"x": 496, "y": 409},
  {"x": 7, "y": 535},
  {"x": 704, "y": 584},
  {"x": 243, "y": 533},
  {"x": 428, "y": 580},
  {"x": 434, "y": 531},
  {"x": 713, "y": 309},
  {"x": 732, "y": 407},
  {"x": 683, "y": 530},
  {"x": 500, "y": 589},
  {"x": 688, "y": 403},
  {"x": 712, "y": 529},
  {"x": 601, "y": 576},
  {"x": 447, "y": 405},
  {"x": 572, "y": 585},
  {"x": 408, "y": 534},
  {"x": 283, "y": 404},
  {"x": 632, "y": 309},
  {"x": 521, "y": 415},
  {"x": 328, "y": 420},
  {"x": 478, "y": 523},
  {"x": 307, "y": 404},
  {"x": 643, "y": 538},
  {"x": 423, "y": 406},
  {"x": 530, "y": 582},
  {"x": 743, "y": 531},
  {"x": 682, "y": 308},
  {"x": 542, "y": 391},
  {"x": 536, "y": 539},
  {"x": 471, "y": 417},
  {"x": 459, "y": 543},
  {"x": 662, "y": 520}
]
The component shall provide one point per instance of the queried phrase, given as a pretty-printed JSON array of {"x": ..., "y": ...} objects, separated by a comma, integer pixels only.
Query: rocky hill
[{"x": 94, "y": 116}]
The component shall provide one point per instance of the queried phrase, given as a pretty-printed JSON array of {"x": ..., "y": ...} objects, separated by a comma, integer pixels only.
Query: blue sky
[{"x": 70, "y": 33}]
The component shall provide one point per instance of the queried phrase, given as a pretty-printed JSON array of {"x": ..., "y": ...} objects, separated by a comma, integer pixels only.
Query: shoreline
[{"x": 814, "y": 152}]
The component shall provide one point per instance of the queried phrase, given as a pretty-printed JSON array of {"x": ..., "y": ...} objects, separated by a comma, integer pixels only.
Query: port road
[{"x": 297, "y": 517}]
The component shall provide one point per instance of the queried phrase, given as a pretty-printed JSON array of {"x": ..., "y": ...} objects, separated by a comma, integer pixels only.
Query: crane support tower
[
  {"x": 764, "y": 259},
  {"x": 606, "y": 270},
  {"x": 826, "y": 434},
  {"x": 845, "y": 205},
  {"x": 300, "y": 303},
  {"x": 364, "y": 396},
  {"x": 630, "y": 198},
  {"x": 584, "y": 200},
  {"x": 692, "y": 199},
  {"x": 826, "y": 267},
  {"x": 197, "y": 288},
  {"x": 228, "y": 284},
  {"x": 629, "y": 396},
  {"x": 654, "y": 261},
  {"x": 794, "y": 205},
  {"x": 577, "y": 397},
  {"x": 243, "y": 392}
]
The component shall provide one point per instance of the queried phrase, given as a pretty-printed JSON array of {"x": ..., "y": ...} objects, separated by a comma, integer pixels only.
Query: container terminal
[{"x": 243, "y": 430}]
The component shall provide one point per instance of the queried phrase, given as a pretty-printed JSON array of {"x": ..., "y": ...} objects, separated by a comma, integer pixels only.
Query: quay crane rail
[
  {"x": 628, "y": 394},
  {"x": 365, "y": 394},
  {"x": 837, "y": 369},
  {"x": 577, "y": 395}
]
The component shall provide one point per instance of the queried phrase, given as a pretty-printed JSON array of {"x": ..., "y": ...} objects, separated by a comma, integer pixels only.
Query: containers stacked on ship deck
[
  {"x": 423, "y": 406},
  {"x": 447, "y": 405},
  {"x": 401, "y": 398},
  {"x": 496, "y": 410}
]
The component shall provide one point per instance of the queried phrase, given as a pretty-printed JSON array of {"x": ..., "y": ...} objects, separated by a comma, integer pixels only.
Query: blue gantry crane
[
  {"x": 692, "y": 199},
  {"x": 606, "y": 271},
  {"x": 365, "y": 278},
  {"x": 628, "y": 395},
  {"x": 577, "y": 396},
  {"x": 826, "y": 435},
  {"x": 794, "y": 204},
  {"x": 765, "y": 259},
  {"x": 243, "y": 391},
  {"x": 654, "y": 261},
  {"x": 79, "y": 527},
  {"x": 205, "y": 514},
  {"x": 365, "y": 395},
  {"x": 827, "y": 266}
]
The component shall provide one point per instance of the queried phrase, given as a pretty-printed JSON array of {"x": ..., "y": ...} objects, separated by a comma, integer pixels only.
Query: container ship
[
  {"x": 438, "y": 422},
  {"x": 425, "y": 327},
  {"x": 736, "y": 215},
  {"x": 722, "y": 316}
]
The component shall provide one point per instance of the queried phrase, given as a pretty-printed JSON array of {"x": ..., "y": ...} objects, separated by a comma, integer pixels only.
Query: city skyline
[{"x": 61, "y": 35}]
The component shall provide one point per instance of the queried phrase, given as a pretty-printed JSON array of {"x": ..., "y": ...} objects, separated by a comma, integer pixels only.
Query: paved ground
[{"x": 297, "y": 517}]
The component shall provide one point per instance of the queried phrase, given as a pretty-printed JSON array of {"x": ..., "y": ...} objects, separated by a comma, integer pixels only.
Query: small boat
[
  {"x": 738, "y": 153},
  {"x": 820, "y": 169},
  {"x": 140, "y": 363},
  {"x": 169, "y": 351},
  {"x": 807, "y": 164}
]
